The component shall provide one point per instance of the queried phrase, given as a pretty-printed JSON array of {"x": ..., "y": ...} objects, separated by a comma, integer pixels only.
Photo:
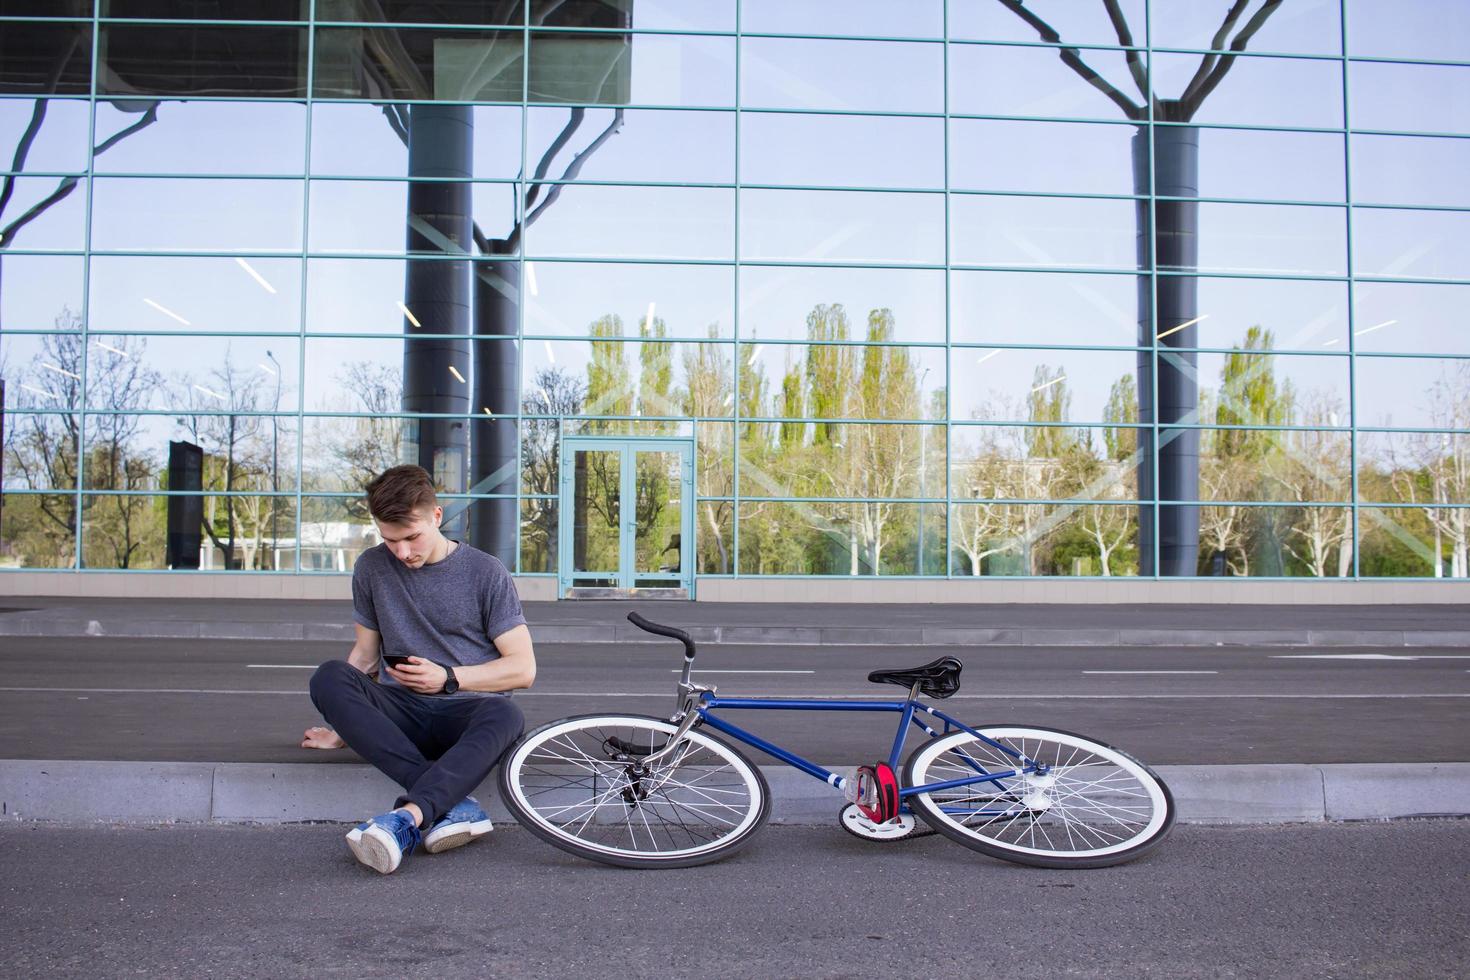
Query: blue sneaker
[
  {"x": 384, "y": 841},
  {"x": 460, "y": 825}
]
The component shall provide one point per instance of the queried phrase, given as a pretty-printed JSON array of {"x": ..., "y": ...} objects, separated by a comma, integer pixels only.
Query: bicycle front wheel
[
  {"x": 579, "y": 784},
  {"x": 1073, "y": 802}
]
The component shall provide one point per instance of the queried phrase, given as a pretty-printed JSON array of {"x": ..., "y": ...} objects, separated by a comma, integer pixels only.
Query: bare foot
[{"x": 321, "y": 737}]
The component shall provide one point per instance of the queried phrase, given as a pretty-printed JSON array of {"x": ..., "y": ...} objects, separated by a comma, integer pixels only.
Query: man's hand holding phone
[{"x": 417, "y": 674}]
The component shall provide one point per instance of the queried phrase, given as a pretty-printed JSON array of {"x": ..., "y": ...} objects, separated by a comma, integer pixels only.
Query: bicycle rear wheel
[
  {"x": 1077, "y": 804},
  {"x": 574, "y": 783}
]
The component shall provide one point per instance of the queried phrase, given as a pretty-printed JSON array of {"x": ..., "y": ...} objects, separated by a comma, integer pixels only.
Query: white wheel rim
[
  {"x": 1078, "y": 826},
  {"x": 698, "y": 800}
]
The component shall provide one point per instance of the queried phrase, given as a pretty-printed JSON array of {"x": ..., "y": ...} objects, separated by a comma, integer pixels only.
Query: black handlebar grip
[{"x": 669, "y": 631}]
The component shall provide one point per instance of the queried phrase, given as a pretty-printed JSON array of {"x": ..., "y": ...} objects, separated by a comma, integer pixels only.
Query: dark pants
[{"x": 438, "y": 749}]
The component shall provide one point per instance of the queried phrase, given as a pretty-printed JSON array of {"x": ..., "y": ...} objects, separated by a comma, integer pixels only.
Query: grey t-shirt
[{"x": 447, "y": 612}]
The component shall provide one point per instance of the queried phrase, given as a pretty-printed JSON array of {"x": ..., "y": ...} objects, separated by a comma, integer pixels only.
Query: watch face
[{"x": 451, "y": 683}]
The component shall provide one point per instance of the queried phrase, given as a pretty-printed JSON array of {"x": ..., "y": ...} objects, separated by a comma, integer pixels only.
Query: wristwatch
[{"x": 451, "y": 683}]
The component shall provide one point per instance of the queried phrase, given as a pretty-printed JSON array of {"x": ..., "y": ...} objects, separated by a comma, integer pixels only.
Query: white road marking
[
  {"x": 284, "y": 666},
  {"x": 1369, "y": 656},
  {"x": 824, "y": 697},
  {"x": 676, "y": 670},
  {"x": 1150, "y": 672}
]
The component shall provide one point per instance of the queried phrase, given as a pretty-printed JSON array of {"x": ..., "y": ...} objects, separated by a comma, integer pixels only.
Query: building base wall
[{"x": 223, "y": 585}]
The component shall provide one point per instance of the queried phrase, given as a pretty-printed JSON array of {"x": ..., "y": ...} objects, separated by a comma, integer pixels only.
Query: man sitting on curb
[{"x": 436, "y": 723}]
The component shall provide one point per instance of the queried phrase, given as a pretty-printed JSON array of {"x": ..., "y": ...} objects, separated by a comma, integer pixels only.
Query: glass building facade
[{"x": 665, "y": 290}]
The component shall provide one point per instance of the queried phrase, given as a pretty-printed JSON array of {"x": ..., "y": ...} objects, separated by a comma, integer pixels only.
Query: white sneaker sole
[
  {"x": 376, "y": 848},
  {"x": 455, "y": 835}
]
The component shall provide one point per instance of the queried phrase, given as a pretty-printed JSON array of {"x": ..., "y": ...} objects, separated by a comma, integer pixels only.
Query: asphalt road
[
  {"x": 238, "y": 701},
  {"x": 1341, "y": 901}
]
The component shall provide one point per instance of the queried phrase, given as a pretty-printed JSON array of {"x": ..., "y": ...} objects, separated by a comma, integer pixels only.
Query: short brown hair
[{"x": 396, "y": 493}]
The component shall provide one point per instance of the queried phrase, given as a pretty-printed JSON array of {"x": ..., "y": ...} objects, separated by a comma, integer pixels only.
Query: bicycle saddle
[{"x": 939, "y": 679}]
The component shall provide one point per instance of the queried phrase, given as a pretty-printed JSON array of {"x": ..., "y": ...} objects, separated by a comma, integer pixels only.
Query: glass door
[{"x": 627, "y": 515}]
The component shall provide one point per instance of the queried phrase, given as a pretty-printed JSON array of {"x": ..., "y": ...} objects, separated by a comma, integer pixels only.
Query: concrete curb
[
  {"x": 22, "y": 624},
  {"x": 233, "y": 792}
]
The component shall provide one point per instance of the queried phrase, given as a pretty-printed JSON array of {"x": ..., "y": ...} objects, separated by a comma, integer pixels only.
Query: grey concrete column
[
  {"x": 437, "y": 291},
  {"x": 1173, "y": 239},
  {"x": 495, "y": 444}
]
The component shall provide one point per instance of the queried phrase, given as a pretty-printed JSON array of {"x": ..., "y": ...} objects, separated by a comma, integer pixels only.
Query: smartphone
[{"x": 393, "y": 661}]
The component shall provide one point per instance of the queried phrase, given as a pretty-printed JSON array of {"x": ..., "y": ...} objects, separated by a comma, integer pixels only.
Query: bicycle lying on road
[{"x": 641, "y": 792}]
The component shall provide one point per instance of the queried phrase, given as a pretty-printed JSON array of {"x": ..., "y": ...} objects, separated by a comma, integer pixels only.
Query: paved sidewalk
[{"x": 794, "y": 624}]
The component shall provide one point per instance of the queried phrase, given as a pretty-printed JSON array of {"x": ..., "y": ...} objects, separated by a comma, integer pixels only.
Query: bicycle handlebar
[{"x": 669, "y": 631}]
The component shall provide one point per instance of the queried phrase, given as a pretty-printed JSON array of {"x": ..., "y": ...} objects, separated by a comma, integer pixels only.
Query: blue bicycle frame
[{"x": 908, "y": 709}]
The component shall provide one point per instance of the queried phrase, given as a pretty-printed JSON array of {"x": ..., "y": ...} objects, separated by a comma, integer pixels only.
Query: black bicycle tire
[
  {"x": 726, "y": 848},
  {"x": 926, "y": 811}
]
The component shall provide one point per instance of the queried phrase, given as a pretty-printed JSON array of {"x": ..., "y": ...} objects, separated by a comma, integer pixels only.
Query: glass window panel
[
  {"x": 779, "y": 303},
  {"x": 1030, "y": 81},
  {"x": 1414, "y": 467},
  {"x": 539, "y": 536},
  {"x": 1247, "y": 163},
  {"x": 356, "y": 375},
  {"x": 841, "y": 226},
  {"x": 1073, "y": 158},
  {"x": 1426, "y": 98},
  {"x": 196, "y": 213},
  {"x": 41, "y": 292},
  {"x": 374, "y": 216},
  {"x": 46, "y": 8},
  {"x": 1399, "y": 392},
  {"x": 831, "y": 538},
  {"x": 175, "y": 59},
  {"x": 45, "y": 213},
  {"x": 666, "y": 15},
  {"x": 833, "y": 151},
  {"x": 334, "y": 531},
  {"x": 1043, "y": 308},
  {"x": 46, "y": 59},
  {"x": 351, "y": 140},
  {"x": 644, "y": 144},
  {"x": 250, "y": 533},
  {"x": 130, "y": 452},
  {"x": 714, "y": 537},
  {"x": 646, "y": 69},
  {"x": 540, "y": 447},
  {"x": 878, "y": 18},
  {"x": 1430, "y": 29},
  {"x": 1275, "y": 542},
  {"x": 714, "y": 458},
  {"x": 1406, "y": 170},
  {"x": 626, "y": 427},
  {"x": 1008, "y": 462},
  {"x": 635, "y": 222},
  {"x": 40, "y": 446},
  {"x": 38, "y": 530},
  {"x": 1427, "y": 244},
  {"x": 217, "y": 10},
  {"x": 693, "y": 301},
  {"x": 1300, "y": 465},
  {"x": 446, "y": 65},
  {"x": 59, "y": 143},
  {"x": 343, "y": 454},
  {"x": 43, "y": 372},
  {"x": 849, "y": 381},
  {"x": 623, "y": 377},
  {"x": 1411, "y": 318},
  {"x": 470, "y": 12},
  {"x": 886, "y": 76},
  {"x": 177, "y": 294},
  {"x": 1039, "y": 231},
  {"x": 1008, "y": 385},
  {"x": 205, "y": 138},
  {"x": 1241, "y": 388},
  {"x": 193, "y": 374},
  {"x": 1272, "y": 238},
  {"x": 1413, "y": 542},
  {"x": 1043, "y": 539},
  {"x": 1300, "y": 27},
  {"x": 1250, "y": 93},
  {"x": 1300, "y": 314},
  {"x": 370, "y": 296},
  {"x": 849, "y": 459},
  {"x": 1075, "y": 23}
]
